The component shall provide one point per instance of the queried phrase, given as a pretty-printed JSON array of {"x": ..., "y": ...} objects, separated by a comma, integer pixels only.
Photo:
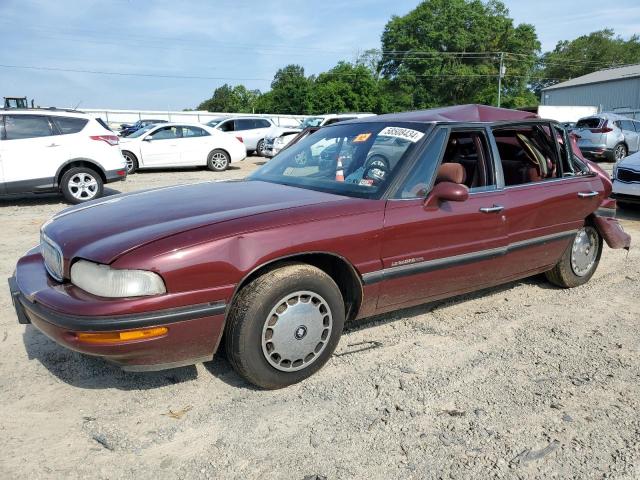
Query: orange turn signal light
[{"x": 119, "y": 337}]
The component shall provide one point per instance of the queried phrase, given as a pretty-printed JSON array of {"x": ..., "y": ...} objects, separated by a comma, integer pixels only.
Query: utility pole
[{"x": 500, "y": 75}]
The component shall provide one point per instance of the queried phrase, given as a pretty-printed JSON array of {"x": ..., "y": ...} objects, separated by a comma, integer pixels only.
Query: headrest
[{"x": 451, "y": 172}]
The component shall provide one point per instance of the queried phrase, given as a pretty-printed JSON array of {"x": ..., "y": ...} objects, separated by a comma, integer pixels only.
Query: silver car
[{"x": 607, "y": 136}]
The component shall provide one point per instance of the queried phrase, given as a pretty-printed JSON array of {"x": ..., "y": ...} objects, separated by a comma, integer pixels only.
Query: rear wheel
[
  {"x": 260, "y": 148},
  {"x": 132, "y": 162},
  {"x": 81, "y": 184},
  {"x": 284, "y": 325},
  {"x": 218, "y": 160},
  {"x": 579, "y": 261}
]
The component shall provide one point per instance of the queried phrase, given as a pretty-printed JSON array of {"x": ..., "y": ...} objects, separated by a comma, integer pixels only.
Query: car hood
[
  {"x": 632, "y": 161},
  {"x": 104, "y": 230}
]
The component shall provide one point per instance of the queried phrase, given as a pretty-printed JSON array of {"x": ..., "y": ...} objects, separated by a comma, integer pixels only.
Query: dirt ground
[{"x": 520, "y": 381}]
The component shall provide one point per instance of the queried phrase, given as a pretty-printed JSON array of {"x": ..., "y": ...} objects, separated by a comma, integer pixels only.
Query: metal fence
[{"x": 116, "y": 117}]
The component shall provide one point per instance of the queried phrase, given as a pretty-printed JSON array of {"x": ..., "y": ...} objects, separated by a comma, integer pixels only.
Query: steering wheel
[{"x": 376, "y": 169}]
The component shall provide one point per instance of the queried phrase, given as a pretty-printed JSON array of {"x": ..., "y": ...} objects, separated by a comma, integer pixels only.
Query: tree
[
  {"x": 346, "y": 88},
  {"x": 424, "y": 67},
  {"x": 586, "y": 54},
  {"x": 236, "y": 99},
  {"x": 291, "y": 91}
]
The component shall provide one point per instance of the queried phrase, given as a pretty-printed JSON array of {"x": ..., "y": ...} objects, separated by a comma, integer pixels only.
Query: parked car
[
  {"x": 51, "y": 150},
  {"x": 608, "y": 136},
  {"x": 626, "y": 180},
  {"x": 251, "y": 130},
  {"x": 478, "y": 196},
  {"x": 274, "y": 144},
  {"x": 181, "y": 145},
  {"x": 126, "y": 130}
]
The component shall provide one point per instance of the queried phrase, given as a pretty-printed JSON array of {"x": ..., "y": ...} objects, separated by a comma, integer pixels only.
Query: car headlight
[{"x": 104, "y": 281}]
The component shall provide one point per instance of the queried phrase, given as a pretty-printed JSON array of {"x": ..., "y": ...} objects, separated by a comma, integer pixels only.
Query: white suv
[{"x": 51, "y": 150}]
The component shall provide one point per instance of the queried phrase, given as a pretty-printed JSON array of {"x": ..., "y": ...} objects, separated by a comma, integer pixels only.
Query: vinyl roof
[
  {"x": 620, "y": 73},
  {"x": 458, "y": 113}
]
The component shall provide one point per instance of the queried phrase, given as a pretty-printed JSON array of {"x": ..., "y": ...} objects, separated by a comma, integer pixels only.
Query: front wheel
[
  {"x": 579, "y": 261},
  {"x": 81, "y": 184},
  {"x": 131, "y": 161},
  {"x": 260, "y": 148},
  {"x": 218, "y": 160},
  {"x": 619, "y": 152},
  {"x": 284, "y": 325}
]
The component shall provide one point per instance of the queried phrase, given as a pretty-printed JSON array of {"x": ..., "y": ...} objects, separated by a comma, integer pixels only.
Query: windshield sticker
[
  {"x": 363, "y": 137},
  {"x": 404, "y": 133},
  {"x": 366, "y": 182}
]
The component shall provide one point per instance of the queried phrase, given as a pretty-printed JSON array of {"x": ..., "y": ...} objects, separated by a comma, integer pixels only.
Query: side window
[
  {"x": 194, "y": 132},
  {"x": 262, "y": 124},
  {"x": 245, "y": 124},
  {"x": 165, "y": 133},
  {"x": 68, "y": 125},
  {"x": 26, "y": 126},
  {"x": 528, "y": 154},
  {"x": 564, "y": 148},
  {"x": 226, "y": 126},
  {"x": 418, "y": 182},
  {"x": 627, "y": 125}
]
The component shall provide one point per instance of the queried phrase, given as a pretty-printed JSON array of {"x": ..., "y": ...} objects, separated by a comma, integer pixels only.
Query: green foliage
[
  {"x": 586, "y": 54},
  {"x": 417, "y": 63},
  {"x": 291, "y": 91},
  {"x": 231, "y": 99}
]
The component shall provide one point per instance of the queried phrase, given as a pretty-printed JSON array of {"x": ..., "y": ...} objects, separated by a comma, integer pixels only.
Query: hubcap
[
  {"x": 296, "y": 331},
  {"x": 584, "y": 251},
  {"x": 129, "y": 161},
  {"x": 83, "y": 186},
  {"x": 219, "y": 160},
  {"x": 619, "y": 152}
]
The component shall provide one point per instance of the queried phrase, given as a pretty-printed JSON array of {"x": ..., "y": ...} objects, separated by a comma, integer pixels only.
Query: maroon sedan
[{"x": 357, "y": 219}]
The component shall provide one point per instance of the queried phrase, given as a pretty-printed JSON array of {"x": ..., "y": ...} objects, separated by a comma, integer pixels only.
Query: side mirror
[
  {"x": 148, "y": 138},
  {"x": 446, "y": 192}
]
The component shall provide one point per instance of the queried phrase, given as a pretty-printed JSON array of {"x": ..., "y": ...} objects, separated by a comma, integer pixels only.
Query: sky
[{"x": 224, "y": 41}]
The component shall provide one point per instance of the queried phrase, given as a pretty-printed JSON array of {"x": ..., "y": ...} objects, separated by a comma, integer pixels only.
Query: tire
[
  {"x": 132, "y": 162},
  {"x": 261, "y": 339},
  {"x": 260, "y": 148},
  {"x": 619, "y": 152},
  {"x": 577, "y": 265},
  {"x": 218, "y": 160},
  {"x": 81, "y": 184}
]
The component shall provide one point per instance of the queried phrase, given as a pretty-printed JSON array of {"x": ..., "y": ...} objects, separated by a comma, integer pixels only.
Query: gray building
[{"x": 612, "y": 90}]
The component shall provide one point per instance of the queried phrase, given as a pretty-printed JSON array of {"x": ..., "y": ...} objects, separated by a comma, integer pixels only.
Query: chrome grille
[
  {"x": 626, "y": 175},
  {"x": 52, "y": 257}
]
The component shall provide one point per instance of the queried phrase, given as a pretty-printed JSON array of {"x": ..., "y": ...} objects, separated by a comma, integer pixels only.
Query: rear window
[
  {"x": 104, "y": 124},
  {"x": 589, "y": 123},
  {"x": 68, "y": 125}
]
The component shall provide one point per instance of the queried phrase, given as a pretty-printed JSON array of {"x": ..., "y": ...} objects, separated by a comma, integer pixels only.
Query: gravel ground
[{"x": 520, "y": 381}]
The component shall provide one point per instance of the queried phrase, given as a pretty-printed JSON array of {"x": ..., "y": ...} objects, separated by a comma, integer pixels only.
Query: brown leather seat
[{"x": 451, "y": 172}]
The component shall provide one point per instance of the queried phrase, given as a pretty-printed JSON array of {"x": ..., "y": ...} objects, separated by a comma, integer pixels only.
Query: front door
[
  {"x": 430, "y": 253},
  {"x": 160, "y": 148}
]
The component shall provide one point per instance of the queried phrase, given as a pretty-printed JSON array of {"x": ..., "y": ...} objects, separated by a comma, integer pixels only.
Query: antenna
[{"x": 77, "y": 105}]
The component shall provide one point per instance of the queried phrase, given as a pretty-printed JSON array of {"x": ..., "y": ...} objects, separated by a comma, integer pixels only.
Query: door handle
[
  {"x": 494, "y": 209},
  {"x": 53, "y": 145},
  {"x": 587, "y": 194}
]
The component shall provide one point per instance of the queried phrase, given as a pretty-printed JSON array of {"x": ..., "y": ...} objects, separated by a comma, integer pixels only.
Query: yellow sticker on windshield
[{"x": 363, "y": 137}]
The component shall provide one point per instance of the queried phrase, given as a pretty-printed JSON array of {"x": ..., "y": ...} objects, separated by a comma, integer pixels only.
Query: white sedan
[
  {"x": 181, "y": 145},
  {"x": 626, "y": 180}
]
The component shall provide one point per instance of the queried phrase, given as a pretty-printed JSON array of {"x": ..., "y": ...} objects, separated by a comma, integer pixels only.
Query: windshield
[
  {"x": 141, "y": 131},
  {"x": 357, "y": 160},
  {"x": 311, "y": 122},
  {"x": 213, "y": 123}
]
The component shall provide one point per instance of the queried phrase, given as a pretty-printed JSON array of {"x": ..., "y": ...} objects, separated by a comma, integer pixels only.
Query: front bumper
[{"x": 193, "y": 332}]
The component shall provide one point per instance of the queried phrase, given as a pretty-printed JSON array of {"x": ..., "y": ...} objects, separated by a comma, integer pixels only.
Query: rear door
[
  {"x": 546, "y": 197},
  {"x": 30, "y": 153},
  {"x": 430, "y": 253},
  {"x": 195, "y": 145}
]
